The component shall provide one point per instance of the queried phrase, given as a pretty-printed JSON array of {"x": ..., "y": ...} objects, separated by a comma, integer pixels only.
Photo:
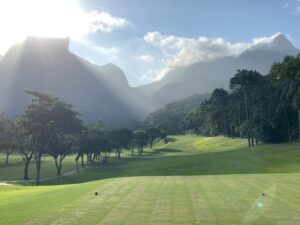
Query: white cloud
[
  {"x": 51, "y": 18},
  {"x": 146, "y": 58},
  {"x": 150, "y": 76},
  {"x": 264, "y": 40},
  {"x": 191, "y": 50},
  {"x": 181, "y": 51},
  {"x": 103, "y": 21}
]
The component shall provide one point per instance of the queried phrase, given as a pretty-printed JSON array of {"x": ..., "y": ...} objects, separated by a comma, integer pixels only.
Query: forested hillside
[
  {"x": 170, "y": 118},
  {"x": 260, "y": 108}
]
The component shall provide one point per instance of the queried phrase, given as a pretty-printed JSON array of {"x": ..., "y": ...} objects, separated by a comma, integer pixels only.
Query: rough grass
[{"x": 192, "y": 181}]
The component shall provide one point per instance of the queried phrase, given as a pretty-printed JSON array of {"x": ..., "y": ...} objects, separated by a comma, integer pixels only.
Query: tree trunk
[
  {"x": 58, "y": 166},
  {"x": 289, "y": 132},
  {"x": 247, "y": 116},
  {"x": 77, "y": 164},
  {"x": 26, "y": 166},
  {"x": 252, "y": 138},
  {"x": 7, "y": 156},
  {"x": 28, "y": 158},
  {"x": 299, "y": 121},
  {"x": 82, "y": 161},
  {"x": 119, "y": 153},
  {"x": 38, "y": 157},
  {"x": 246, "y": 104},
  {"x": 288, "y": 126},
  {"x": 249, "y": 142}
]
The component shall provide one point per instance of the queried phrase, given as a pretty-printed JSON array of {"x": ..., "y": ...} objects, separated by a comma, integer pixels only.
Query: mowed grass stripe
[{"x": 194, "y": 180}]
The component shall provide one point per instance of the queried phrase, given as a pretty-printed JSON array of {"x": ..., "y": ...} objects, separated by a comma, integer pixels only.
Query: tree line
[
  {"x": 259, "y": 108},
  {"x": 50, "y": 126}
]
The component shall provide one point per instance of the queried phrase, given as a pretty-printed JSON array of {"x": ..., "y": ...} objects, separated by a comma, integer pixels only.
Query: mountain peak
[
  {"x": 278, "y": 44},
  {"x": 280, "y": 37},
  {"x": 282, "y": 42}
]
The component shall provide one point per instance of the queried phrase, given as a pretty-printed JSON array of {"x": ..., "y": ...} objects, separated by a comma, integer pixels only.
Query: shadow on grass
[
  {"x": 11, "y": 164},
  {"x": 240, "y": 161},
  {"x": 166, "y": 150}
]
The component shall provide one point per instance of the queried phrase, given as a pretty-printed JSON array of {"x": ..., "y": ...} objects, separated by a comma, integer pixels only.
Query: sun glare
[{"x": 45, "y": 18}]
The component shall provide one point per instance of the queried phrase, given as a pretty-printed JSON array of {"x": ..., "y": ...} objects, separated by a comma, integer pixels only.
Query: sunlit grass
[
  {"x": 14, "y": 170},
  {"x": 192, "y": 181}
]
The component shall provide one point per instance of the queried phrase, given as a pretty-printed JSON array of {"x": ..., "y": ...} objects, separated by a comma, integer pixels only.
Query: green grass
[
  {"x": 14, "y": 170},
  {"x": 192, "y": 181}
]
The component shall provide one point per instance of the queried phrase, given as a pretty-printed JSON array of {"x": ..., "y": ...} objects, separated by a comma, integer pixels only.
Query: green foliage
[
  {"x": 47, "y": 121},
  {"x": 259, "y": 108},
  {"x": 170, "y": 117},
  {"x": 153, "y": 134},
  {"x": 141, "y": 139}
]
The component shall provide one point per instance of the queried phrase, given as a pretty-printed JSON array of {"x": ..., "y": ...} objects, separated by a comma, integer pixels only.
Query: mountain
[
  {"x": 170, "y": 117},
  {"x": 203, "y": 77},
  {"x": 47, "y": 65}
]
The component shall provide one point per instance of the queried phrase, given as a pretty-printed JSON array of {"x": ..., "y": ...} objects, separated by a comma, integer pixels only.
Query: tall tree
[
  {"x": 47, "y": 119},
  {"x": 286, "y": 77},
  {"x": 219, "y": 103},
  {"x": 247, "y": 82}
]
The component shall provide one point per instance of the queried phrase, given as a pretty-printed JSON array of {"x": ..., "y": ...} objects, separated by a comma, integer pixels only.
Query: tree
[
  {"x": 218, "y": 103},
  {"x": 122, "y": 139},
  {"x": 25, "y": 143},
  {"x": 7, "y": 144},
  {"x": 141, "y": 140},
  {"x": 285, "y": 76},
  {"x": 47, "y": 119},
  {"x": 153, "y": 134},
  {"x": 247, "y": 82},
  {"x": 59, "y": 150}
]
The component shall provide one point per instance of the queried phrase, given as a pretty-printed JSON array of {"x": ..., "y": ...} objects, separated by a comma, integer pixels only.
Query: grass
[
  {"x": 195, "y": 180},
  {"x": 14, "y": 170}
]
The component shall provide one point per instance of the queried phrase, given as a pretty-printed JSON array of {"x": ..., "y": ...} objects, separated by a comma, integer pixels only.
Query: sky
[{"x": 148, "y": 38}]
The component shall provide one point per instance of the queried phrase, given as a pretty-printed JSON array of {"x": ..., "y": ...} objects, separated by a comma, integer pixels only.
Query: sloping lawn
[{"x": 194, "y": 180}]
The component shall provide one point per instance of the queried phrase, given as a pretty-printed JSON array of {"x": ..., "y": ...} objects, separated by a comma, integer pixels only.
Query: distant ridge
[{"x": 203, "y": 77}]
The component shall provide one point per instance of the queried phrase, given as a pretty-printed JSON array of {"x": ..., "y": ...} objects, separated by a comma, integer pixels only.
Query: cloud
[
  {"x": 187, "y": 51},
  {"x": 52, "y": 18},
  {"x": 150, "y": 76},
  {"x": 103, "y": 21},
  {"x": 146, "y": 58},
  {"x": 179, "y": 52}
]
